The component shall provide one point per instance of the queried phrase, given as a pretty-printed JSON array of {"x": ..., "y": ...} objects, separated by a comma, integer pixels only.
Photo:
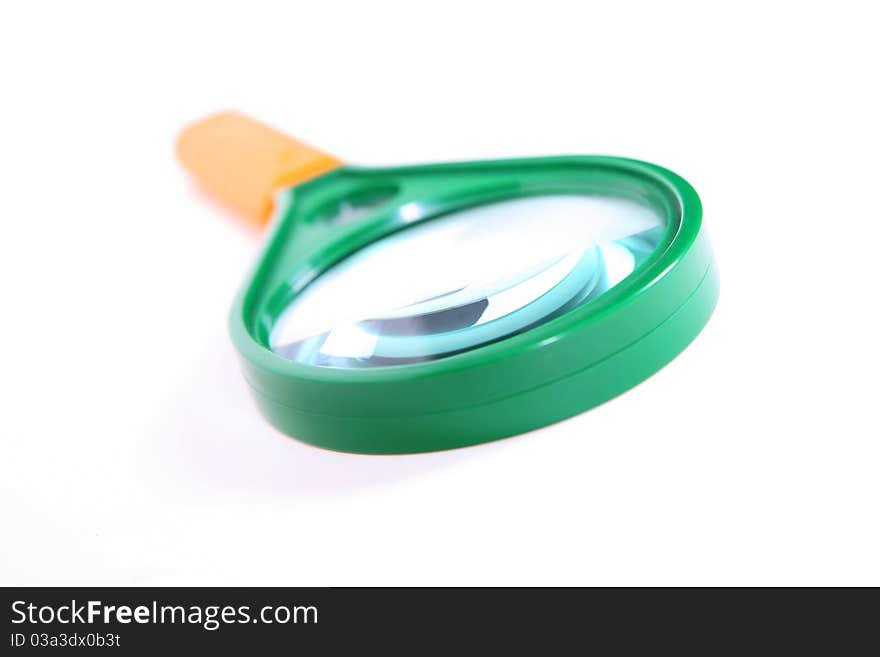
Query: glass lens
[{"x": 465, "y": 280}]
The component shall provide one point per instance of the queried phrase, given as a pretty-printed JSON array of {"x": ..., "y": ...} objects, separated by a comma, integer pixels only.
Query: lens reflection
[{"x": 465, "y": 280}]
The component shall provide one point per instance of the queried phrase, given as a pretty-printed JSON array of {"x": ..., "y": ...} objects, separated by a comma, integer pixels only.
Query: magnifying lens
[{"x": 420, "y": 308}]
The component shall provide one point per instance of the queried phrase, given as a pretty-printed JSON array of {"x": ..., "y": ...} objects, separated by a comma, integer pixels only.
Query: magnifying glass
[{"x": 419, "y": 308}]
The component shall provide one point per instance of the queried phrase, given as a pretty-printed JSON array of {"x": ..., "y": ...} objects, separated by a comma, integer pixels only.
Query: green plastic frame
[{"x": 546, "y": 374}]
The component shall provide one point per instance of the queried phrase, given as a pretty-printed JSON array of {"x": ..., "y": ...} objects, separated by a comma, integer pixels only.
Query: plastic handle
[{"x": 244, "y": 163}]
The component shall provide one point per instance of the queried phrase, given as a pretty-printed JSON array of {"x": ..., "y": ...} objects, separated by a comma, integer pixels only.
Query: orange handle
[{"x": 244, "y": 163}]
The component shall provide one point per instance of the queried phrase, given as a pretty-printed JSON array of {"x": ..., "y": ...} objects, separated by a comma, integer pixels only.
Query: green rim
[{"x": 580, "y": 359}]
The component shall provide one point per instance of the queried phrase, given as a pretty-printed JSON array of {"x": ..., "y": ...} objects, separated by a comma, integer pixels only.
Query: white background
[{"x": 131, "y": 452}]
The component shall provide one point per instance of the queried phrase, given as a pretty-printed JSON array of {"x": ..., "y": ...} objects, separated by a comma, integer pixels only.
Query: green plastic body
[{"x": 548, "y": 373}]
